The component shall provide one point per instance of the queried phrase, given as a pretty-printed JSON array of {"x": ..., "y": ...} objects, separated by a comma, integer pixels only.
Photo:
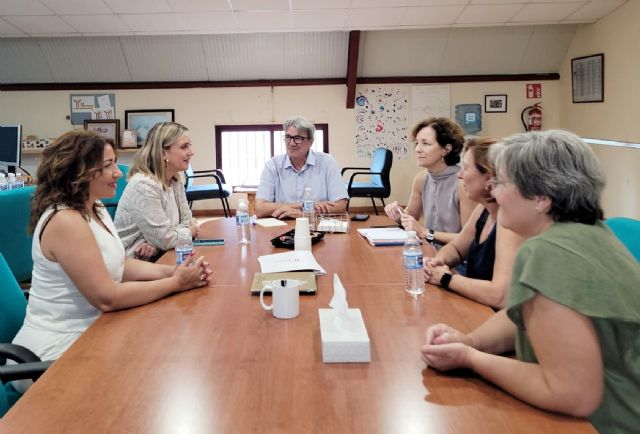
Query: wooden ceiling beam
[{"x": 352, "y": 67}]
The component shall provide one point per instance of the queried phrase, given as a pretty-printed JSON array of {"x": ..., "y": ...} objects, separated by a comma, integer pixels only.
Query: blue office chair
[
  {"x": 379, "y": 184},
  {"x": 628, "y": 232},
  {"x": 15, "y": 240},
  {"x": 111, "y": 203},
  {"x": 13, "y": 305},
  {"x": 216, "y": 190}
]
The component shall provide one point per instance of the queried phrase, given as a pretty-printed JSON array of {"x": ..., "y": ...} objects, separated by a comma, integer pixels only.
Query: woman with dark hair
[
  {"x": 573, "y": 315},
  {"x": 79, "y": 265},
  {"x": 488, "y": 248},
  {"x": 154, "y": 205},
  {"x": 436, "y": 192}
]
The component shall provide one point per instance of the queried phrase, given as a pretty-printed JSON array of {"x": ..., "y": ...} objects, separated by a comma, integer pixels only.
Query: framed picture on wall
[
  {"x": 495, "y": 103},
  {"x": 106, "y": 127},
  {"x": 143, "y": 120},
  {"x": 129, "y": 138},
  {"x": 587, "y": 78}
]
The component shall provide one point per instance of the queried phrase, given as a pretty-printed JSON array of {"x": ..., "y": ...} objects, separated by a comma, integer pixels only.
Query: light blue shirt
[{"x": 280, "y": 182}]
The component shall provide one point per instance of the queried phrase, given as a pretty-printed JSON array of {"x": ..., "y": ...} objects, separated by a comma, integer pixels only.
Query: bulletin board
[{"x": 98, "y": 106}]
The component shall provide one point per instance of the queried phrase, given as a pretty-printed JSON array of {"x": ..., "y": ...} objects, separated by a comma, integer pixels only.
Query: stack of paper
[
  {"x": 298, "y": 260},
  {"x": 384, "y": 236}
]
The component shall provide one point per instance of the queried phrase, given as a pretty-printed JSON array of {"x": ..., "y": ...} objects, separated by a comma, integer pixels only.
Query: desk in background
[{"x": 212, "y": 361}]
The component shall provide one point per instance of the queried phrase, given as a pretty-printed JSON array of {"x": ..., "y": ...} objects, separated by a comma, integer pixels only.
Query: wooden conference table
[{"x": 212, "y": 361}]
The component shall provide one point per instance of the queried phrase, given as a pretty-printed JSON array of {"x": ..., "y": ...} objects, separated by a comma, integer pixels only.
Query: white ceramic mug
[{"x": 285, "y": 301}]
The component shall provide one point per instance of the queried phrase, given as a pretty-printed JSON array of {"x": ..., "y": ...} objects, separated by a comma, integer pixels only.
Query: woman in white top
[
  {"x": 437, "y": 193},
  {"x": 154, "y": 205},
  {"x": 80, "y": 268}
]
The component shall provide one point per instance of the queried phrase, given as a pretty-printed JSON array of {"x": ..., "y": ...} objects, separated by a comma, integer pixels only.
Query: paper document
[
  {"x": 270, "y": 222},
  {"x": 384, "y": 236},
  {"x": 296, "y": 260}
]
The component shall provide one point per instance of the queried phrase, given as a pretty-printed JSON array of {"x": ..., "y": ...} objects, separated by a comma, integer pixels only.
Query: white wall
[
  {"x": 616, "y": 118},
  {"x": 43, "y": 114}
]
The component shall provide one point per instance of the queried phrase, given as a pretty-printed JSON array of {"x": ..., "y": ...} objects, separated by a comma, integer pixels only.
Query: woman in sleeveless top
[
  {"x": 154, "y": 204},
  {"x": 573, "y": 316},
  {"x": 437, "y": 193},
  {"x": 488, "y": 248},
  {"x": 80, "y": 268}
]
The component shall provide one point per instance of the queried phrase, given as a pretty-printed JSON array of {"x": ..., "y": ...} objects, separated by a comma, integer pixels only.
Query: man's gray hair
[
  {"x": 301, "y": 124},
  {"x": 557, "y": 164}
]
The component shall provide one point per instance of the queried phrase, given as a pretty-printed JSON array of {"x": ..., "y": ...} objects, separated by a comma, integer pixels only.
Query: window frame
[{"x": 271, "y": 128}]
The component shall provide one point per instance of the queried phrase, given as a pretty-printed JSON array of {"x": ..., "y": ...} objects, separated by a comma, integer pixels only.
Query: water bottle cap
[{"x": 242, "y": 206}]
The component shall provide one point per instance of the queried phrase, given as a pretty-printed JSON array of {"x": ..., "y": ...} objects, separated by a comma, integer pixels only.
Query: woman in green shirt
[{"x": 573, "y": 316}]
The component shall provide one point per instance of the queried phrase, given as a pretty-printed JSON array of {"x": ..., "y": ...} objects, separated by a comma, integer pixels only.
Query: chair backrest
[
  {"x": 13, "y": 304},
  {"x": 15, "y": 240},
  {"x": 122, "y": 183},
  {"x": 187, "y": 177},
  {"x": 628, "y": 232},
  {"x": 381, "y": 162}
]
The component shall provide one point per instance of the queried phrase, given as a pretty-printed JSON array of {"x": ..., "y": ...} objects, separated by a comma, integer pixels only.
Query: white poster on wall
[
  {"x": 430, "y": 101},
  {"x": 381, "y": 121}
]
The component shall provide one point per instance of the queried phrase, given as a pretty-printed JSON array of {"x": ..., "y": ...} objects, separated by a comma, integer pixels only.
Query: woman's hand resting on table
[
  {"x": 434, "y": 268},
  {"x": 192, "y": 273},
  {"x": 446, "y": 348}
]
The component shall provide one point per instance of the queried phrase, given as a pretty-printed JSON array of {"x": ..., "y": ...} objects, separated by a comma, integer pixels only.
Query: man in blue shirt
[{"x": 285, "y": 177}]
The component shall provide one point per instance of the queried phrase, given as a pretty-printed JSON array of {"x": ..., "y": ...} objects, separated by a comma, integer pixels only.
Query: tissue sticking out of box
[
  {"x": 342, "y": 330},
  {"x": 339, "y": 304}
]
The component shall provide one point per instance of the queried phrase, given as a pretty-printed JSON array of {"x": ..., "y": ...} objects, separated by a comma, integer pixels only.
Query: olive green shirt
[{"x": 586, "y": 268}]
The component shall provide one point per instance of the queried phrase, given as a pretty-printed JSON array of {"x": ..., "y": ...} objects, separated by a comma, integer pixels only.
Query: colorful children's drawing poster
[{"x": 381, "y": 121}]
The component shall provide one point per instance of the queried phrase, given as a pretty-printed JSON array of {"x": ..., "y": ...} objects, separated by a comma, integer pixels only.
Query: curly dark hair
[
  {"x": 67, "y": 168},
  {"x": 447, "y": 133}
]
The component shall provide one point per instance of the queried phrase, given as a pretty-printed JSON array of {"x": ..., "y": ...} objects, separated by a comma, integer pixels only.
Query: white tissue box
[{"x": 343, "y": 346}]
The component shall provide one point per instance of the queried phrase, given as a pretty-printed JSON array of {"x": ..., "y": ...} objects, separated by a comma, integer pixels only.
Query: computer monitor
[{"x": 10, "y": 146}]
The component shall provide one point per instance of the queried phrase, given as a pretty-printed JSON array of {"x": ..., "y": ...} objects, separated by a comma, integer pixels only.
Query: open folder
[{"x": 384, "y": 236}]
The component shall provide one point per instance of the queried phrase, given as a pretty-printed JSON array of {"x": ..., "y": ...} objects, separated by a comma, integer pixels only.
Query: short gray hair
[
  {"x": 556, "y": 164},
  {"x": 303, "y": 124}
]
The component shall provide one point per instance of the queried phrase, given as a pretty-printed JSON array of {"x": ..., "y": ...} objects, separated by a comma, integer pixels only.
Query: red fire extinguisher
[{"x": 534, "y": 116}]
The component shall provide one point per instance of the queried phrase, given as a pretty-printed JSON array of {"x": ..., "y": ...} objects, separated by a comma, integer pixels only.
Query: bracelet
[{"x": 445, "y": 280}]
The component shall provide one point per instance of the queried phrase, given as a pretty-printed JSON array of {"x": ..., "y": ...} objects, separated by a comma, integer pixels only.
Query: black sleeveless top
[{"x": 482, "y": 256}]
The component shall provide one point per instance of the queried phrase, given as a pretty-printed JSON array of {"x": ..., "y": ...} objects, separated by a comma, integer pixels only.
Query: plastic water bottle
[
  {"x": 19, "y": 180},
  {"x": 184, "y": 245},
  {"x": 412, "y": 256},
  {"x": 3, "y": 182},
  {"x": 242, "y": 223},
  {"x": 308, "y": 208},
  {"x": 11, "y": 182}
]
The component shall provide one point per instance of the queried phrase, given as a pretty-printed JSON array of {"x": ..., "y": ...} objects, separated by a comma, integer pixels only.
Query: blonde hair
[{"x": 148, "y": 159}]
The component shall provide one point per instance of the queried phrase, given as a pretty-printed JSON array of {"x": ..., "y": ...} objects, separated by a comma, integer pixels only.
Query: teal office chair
[
  {"x": 628, "y": 232},
  {"x": 13, "y": 306},
  {"x": 15, "y": 240},
  {"x": 218, "y": 189},
  {"x": 112, "y": 202},
  {"x": 378, "y": 185}
]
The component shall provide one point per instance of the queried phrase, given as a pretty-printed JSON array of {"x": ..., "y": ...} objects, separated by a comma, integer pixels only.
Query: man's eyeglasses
[{"x": 296, "y": 139}]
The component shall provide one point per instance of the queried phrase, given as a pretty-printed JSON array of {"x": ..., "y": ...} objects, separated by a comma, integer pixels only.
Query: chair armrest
[
  {"x": 17, "y": 353},
  {"x": 209, "y": 174},
  {"x": 344, "y": 169},
  {"x": 213, "y": 172},
  {"x": 31, "y": 370},
  {"x": 354, "y": 174}
]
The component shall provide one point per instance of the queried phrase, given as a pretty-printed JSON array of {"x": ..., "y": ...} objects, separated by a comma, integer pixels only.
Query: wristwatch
[
  {"x": 431, "y": 236},
  {"x": 445, "y": 280}
]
